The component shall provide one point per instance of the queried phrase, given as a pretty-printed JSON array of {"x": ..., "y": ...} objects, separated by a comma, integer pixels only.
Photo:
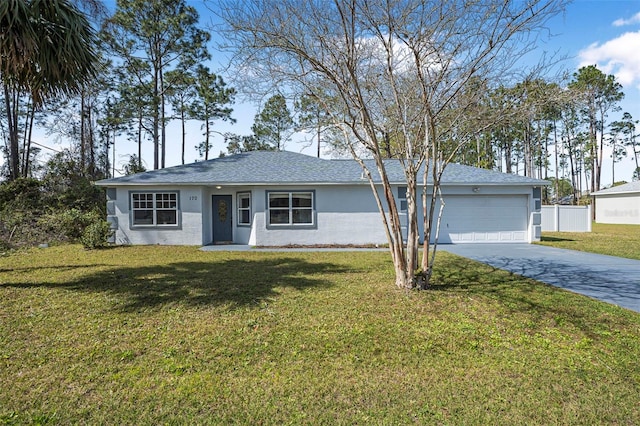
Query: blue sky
[{"x": 605, "y": 33}]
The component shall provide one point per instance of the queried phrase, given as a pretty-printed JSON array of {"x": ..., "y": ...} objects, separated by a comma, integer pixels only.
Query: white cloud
[
  {"x": 635, "y": 19},
  {"x": 618, "y": 56}
]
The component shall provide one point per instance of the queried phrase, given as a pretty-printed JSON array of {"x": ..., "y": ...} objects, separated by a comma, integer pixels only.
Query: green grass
[
  {"x": 172, "y": 335},
  {"x": 614, "y": 240}
]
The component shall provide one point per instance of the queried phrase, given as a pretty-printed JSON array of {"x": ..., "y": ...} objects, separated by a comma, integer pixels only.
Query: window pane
[
  {"x": 143, "y": 217},
  {"x": 402, "y": 192},
  {"x": 278, "y": 200},
  {"x": 167, "y": 217},
  {"x": 244, "y": 216},
  {"x": 166, "y": 201},
  {"x": 301, "y": 200},
  {"x": 142, "y": 201},
  {"x": 302, "y": 216},
  {"x": 278, "y": 217},
  {"x": 243, "y": 201}
]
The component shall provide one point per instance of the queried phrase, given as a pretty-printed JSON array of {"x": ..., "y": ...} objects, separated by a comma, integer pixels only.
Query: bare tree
[{"x": 389, "y": 72}]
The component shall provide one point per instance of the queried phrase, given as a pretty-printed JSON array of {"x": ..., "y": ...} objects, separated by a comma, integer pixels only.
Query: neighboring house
[
  {"x": 620, "y": 204},
  {"x": 284, "y": 198}
]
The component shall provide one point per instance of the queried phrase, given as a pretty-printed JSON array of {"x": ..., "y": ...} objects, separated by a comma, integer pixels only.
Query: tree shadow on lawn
[{"x": 235, "y": 282}]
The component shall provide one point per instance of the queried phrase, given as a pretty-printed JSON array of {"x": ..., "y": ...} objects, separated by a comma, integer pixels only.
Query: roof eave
[
  {"x": 595, "y": 194},
  {"x": 293, "y": 183}
]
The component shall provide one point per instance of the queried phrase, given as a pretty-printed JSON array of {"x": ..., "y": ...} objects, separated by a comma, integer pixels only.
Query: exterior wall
[
  {"x": 560, "y": 218},
  {"x": 618, "y": 208},
  {"x": 188, "y": 231},
  {"x": 344, "y": 215}
]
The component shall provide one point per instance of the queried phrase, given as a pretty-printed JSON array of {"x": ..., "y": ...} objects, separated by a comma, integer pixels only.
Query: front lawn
[
  {"x": 173, "y": 335},
  {"x": 614, "y": 240}
]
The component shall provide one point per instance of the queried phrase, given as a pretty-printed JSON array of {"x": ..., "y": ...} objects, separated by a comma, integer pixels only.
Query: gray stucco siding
[
  {"x": 342, "y": 215},
  {"x": 188, "y": 230}
]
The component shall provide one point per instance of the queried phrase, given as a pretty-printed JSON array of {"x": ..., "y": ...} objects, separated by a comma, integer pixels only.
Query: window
[
  {"x": 290, "y": 208},
  {"x": 154, "y": 208},
  {"x": 244, "y": 208},
  {"x": 402, "y": 197}
]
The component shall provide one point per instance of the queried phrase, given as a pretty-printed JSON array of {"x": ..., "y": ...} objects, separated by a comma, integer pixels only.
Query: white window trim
[
  {"x": 311, "y": 224},
  {"x": 241, "y": 209},
  {"x": 155, "y": 209}
]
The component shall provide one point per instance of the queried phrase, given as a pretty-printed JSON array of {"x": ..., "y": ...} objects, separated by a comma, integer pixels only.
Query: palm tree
[{"x": 47, "y": 50}]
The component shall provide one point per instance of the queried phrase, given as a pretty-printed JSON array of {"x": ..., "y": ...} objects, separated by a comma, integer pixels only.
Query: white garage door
[{"x": 484, "y": 218}]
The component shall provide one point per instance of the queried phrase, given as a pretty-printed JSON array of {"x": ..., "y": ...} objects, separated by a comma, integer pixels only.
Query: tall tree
[
  {"x": 621, "y": 137},
  {"x": 151, "y": 37},
  {"x": 274, "y": 124},
  {"x": 408, "y": 58},
  {"x": 181, "y": 94},
  {"x": 600, "y": 94},
  {"x": 312, "y": 118},
  {"x": 237, "y": 144},
  {"x": 47, "y": 49},
  {"x": 134, "y": 107},
  {"x": 212, "y": 101}
]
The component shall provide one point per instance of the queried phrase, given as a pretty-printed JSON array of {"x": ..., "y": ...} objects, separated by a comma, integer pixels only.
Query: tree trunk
[
  {"x": 555, "y": 151},
  {"x": 163, "y": 124},
  {"x": 319, "y": 128},
  {"x": 404, "y": 267},
  {"x": 26, "y": 166},
  {"x": 600, "y": 157},
  {"x": 11, "y": 104},
  {"x": 184, "y": 131},
  {"x": 156, "y": 120},
  {"x": 83, "y": 155},
  {"x": 507, "y": 158},
  {"x": 206, "y": 139},
  {"x": 140, "y": 128},
  {"x": 91, "y": 143}
]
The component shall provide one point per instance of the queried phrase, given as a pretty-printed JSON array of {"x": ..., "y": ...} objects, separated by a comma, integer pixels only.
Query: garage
[
  {"x": 619, "y": 205},
  {"x": 484, "y": 219}
]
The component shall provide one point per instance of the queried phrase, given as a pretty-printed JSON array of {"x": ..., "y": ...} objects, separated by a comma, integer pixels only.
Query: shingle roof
[
  {"x": 284, "y": 167},
  {"x": 627, "y": 188}
]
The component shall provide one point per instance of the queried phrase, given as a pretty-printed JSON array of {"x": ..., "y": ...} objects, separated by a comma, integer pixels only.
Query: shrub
[
  {"x": 5, "y": 246},
  {"x": 67, "y": 225},
  {"x": 20, "y": 228},
  {"x": 21, "y": 194},
  {"x": 96, "y": 234},
  {"x": 74, "y": 222}
]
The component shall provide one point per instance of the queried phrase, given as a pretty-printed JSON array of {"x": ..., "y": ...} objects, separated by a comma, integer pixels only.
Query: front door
[{"x": 222, "y": 214}]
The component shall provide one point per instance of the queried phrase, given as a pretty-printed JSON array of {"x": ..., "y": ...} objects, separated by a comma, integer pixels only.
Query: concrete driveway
[{"x": 608, "y": 278}]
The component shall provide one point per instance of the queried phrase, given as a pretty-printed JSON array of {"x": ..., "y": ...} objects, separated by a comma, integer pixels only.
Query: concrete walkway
[
  {"x": 241, "y": 247},
  {"x": 611, "y": 279}
]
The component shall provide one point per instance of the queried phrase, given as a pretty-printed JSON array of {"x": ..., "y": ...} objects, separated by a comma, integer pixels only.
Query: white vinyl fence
[{"x": 558, "y": 218}]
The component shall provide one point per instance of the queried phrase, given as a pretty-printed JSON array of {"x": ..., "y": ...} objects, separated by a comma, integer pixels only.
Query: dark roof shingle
[{"x": 284, "y": 167}]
